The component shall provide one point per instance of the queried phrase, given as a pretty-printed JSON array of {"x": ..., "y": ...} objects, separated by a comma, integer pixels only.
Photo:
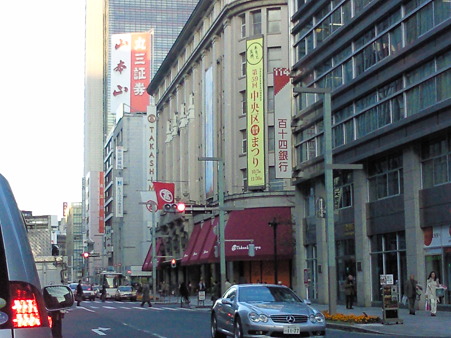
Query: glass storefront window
[{"x": 388, "y": 256}]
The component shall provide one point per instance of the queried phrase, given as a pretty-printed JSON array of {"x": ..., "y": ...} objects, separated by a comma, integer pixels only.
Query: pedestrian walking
[
  {"x": 103, "y": 293},
  {"x": 202, "y": 285},
  {"x": 215, "y": 292},
  {"x": 184, "y": 293},
  {"x": 227, "y": 284},
  {"x": 350, "y": 291},
  {"x": 79, "y": 293},
  {"x": 146, "y": 295},
  {"x": 411, "y": 291},
  {"x": 431, "y": 293}
]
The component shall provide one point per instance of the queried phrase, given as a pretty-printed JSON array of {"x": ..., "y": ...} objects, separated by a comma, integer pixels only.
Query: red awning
[
  {"x": 253, "y": 224},
  {"x": 208, "y": 251},
  {"x": 191, "y": 243},
  {"x": 147, "y": 266},
  {"x": 197, "y": 250}
]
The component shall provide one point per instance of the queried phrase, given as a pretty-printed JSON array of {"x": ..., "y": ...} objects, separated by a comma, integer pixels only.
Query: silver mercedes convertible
[{"x": 259, "y": 310}]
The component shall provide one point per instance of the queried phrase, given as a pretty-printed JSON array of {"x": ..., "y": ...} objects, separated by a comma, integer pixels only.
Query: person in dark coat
[
  {"x": 146, "y": 295},
  {"x": 79, "y": 293},
  {"x": 350, "y": 291},
  {"x": 103, "y": 293},
  {"x": 411, "y": 293},
  {"x": 184, "y": 293}
]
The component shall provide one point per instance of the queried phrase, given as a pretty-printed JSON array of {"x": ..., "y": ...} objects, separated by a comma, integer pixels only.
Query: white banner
[
  {"x": 282, "y": 122},
  {"x": 119, "y": 157},
  {"x": 119, "y": 212}
]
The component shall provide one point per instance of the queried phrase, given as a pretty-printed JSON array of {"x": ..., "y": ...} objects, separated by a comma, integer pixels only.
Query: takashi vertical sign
[{"x": 255, "y": 114}]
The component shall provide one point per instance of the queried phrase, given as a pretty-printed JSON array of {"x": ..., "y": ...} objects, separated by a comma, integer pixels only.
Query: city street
[{"x": 121, "y": 319}]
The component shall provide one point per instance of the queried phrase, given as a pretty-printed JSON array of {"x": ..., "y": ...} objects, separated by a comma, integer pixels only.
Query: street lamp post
[
  {"x": 329, "y": 186},
  {"x": 222, "y": 261},
  {"x": 154, "y": 253}
]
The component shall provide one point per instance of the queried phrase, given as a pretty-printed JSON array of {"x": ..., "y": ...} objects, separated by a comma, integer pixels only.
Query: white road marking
[
  {"x": 109, "y": 307},
  {"x": 169, "y": 308},
  {"x": 100, "y": 330}
]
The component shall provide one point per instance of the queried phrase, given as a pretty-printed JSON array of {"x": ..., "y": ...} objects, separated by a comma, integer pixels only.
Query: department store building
[{"x": 202, "y": 105}]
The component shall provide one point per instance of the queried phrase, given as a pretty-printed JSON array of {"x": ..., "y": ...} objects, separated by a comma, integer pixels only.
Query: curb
[{"x": 351, "y": 328}]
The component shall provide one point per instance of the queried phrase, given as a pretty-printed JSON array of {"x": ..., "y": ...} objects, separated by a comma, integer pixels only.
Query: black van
[{"x": 23, "y": 310}]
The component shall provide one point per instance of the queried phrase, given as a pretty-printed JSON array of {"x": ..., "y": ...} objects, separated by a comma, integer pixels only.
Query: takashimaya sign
[{"x": 255, "y": 114}]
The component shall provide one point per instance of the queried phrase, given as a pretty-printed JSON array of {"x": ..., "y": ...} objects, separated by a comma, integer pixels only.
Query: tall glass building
[{"x": 104, "y": 18}]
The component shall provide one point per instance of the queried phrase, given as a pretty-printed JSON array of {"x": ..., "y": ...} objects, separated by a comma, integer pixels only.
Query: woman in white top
[{"x": 431, "y": 293}]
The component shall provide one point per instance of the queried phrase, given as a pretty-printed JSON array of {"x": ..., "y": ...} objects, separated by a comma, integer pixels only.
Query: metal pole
[
  {"x": 154, "y": 254},
  {"x": 329, "y": 185},
  {"x": 222, "y": 260},
  {"x": 276, "y": 265}
]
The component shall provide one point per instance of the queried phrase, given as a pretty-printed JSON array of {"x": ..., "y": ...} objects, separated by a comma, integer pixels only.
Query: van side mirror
[{"x": 57, "y": 297}]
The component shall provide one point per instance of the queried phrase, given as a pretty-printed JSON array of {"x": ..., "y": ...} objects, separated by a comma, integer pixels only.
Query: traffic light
[
  {"x": 85, "y": 254},
  {"x": 174, "y": 207},
  {"x": 173, "y": 263}
]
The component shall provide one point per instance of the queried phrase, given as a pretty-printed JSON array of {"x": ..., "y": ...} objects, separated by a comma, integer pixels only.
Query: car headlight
[
  {"x": 317, "y": 317},
  {"x": 256, "y": 318}
]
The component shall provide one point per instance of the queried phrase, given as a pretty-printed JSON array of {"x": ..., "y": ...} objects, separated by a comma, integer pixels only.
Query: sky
[{"x": 42, "y": 94}]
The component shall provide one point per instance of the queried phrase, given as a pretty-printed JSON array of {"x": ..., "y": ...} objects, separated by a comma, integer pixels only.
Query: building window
[
  {"x": 271, "y": 138},
  {"x": 256, "y": 22},
  {"x": 244, "y": 142},
  {"x": 436, "y": 162},
  {"x": 243, "y": 64},
  {"x": 243, "y": 25},
  {"x": 385, "y": 177},
  {"x": 243, "y": 102},
  {"x": 274, "y": 21},
  {"x": 275, "y": 184},
  {"x": 274, "y": 58},
  {"x": 270, "y": 99},
  {"x": 343, "y": 190},
  {"x": 312, "y": 273},
  {"x": 310, "y": 206},
  {"x": 388, "y": 257},
  {"x": 244, "y": 174}
]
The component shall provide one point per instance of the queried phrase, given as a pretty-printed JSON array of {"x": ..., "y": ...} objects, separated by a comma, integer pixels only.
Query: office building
[
  {"x": 387, "y": 64},
  {"x": 104, "y": 18}
]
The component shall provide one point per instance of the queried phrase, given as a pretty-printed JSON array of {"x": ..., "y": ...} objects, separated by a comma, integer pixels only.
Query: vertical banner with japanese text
[
  {"x": 282, "y": 123},
  {"x": 101, "y": 202},
  {"x": 130, "y": 72},
  {"x": 119, "y": 197},
  {"x": 255, "y": 114}
]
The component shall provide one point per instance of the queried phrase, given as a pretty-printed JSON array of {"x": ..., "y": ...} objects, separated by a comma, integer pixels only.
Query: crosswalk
[{"x": 115, "y": 305}]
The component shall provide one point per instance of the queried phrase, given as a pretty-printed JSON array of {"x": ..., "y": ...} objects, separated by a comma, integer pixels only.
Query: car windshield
[
  {"x": 125, "y": 288},
  {"x": 86, "y": 287},
  {"x": 267, "y": 294}
]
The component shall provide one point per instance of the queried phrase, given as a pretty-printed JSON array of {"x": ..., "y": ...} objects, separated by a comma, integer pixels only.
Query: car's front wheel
[
  {"x": 238, "y": 329},
  {"x": 214, "y": 328}
]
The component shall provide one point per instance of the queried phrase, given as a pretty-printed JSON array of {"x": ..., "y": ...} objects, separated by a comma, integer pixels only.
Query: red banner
[{"x": 164, "y": 192}]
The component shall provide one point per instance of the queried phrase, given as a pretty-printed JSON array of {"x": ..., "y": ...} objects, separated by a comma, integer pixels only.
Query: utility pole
[{"x": 221, "y": 237}]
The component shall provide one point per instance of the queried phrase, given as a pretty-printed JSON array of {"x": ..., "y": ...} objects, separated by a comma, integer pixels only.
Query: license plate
[{"x": 292, "y": 329}]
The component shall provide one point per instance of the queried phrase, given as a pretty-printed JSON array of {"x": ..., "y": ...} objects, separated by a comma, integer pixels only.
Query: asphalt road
[{"x": 127, "y": 319}]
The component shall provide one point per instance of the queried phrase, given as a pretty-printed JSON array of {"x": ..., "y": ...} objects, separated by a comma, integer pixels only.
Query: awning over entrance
[
  {"x": 208, "y": 251},
  {"x": 253, "y": 224},
  {"x": 191, "y": 243},
  {"x": 147, "y": 266},
  {"x": 197, "y": 250}
]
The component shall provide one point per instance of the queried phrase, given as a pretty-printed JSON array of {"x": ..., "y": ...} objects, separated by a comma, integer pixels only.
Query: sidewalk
[{"x": 420, "y": 325}]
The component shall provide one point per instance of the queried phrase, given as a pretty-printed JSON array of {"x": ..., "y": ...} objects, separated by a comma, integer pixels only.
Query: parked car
[
  {"x": 24, "y": 310},
  {"x": 255, "y": 310},
  {"x": 125, "y": 292}
]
